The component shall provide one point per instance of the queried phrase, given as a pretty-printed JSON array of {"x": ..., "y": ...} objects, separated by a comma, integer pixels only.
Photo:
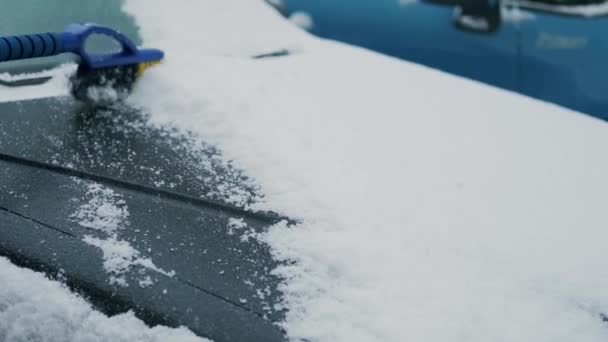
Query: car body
[
  {"x": 549, "y": 49},
  {"x": 58, "y": 157},
  {"x": 63, "y": 162}
]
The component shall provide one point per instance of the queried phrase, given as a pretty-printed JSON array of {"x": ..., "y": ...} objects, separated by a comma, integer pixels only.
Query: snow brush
[{"x": 117, "y": 71}]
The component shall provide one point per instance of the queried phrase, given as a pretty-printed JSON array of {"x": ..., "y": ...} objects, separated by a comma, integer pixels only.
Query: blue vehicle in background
[{"x": 554, "y": 50}]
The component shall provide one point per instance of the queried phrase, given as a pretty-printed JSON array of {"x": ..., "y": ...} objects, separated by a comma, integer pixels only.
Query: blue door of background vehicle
[
  {"x": 424, "y": 32},
  {"x": 564, "y": 55},
  {"x": 554, "y": 50}
]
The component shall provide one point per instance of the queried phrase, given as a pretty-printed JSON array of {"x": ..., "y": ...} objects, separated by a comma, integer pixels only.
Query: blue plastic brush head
[
  {"x": 118, "y": 69},
  {"x": 74, "y": 37}
]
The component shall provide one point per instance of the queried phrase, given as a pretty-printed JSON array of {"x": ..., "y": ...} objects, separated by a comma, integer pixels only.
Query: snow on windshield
[{"x": 431, "y": 208}]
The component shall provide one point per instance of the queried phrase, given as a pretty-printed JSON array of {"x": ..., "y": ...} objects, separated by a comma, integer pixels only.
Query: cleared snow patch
[
  {"x": 34, "y": 308},
  {"x": 106, "y": 212}
]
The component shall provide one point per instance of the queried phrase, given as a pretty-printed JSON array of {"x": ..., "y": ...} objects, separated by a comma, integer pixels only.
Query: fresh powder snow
[
  {"x": 58, "y": 85},
  {"x": 34, "y": 308},
  {"x": 302, "y": 20},
  {"x": 430, "y": 208},
  {"x": 102, "y": 209}
]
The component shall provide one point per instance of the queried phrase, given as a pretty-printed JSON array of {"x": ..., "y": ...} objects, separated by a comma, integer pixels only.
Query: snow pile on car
[
  {"x": 34, "y": 308},
  {"x": 58, "y": 85},
  {"x": 432, "y": 208}
]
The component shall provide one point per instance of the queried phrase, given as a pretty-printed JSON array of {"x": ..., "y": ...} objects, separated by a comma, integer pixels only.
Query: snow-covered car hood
[
  {"x": 134, "y": 217},
  {"x": 433, "y": 208},
  {"x": 429, "y": 207}
]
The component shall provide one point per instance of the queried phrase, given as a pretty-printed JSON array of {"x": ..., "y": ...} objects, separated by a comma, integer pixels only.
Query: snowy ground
[{"x": 432, "y": 208}]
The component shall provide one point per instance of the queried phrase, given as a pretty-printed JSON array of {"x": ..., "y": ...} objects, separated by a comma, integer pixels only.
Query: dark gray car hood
[{"x": 176, "y": 189}]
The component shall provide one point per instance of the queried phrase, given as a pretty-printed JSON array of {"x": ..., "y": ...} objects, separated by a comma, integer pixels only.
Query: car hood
[{"x": 136, "y": 217}]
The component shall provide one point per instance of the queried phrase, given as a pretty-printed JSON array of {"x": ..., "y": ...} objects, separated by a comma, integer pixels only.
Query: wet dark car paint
[{"x": 179, "y": 217}]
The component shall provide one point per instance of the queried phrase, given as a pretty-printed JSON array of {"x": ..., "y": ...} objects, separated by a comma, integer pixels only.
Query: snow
[
  {"x": 303, "y": 20},
  {"x": 56, "y": 86},
  {"x": 431, "y": 207},
  {"x": 515, "y": 15},
  {"x": 102, "y": 210},
  {"x": 107, "y": 212},
  {"x": 236, "y": 224},
  {"x": 34, "y": 308},
  {"x": 119, "y": 257},
  {"x": 404, "y": 3}
]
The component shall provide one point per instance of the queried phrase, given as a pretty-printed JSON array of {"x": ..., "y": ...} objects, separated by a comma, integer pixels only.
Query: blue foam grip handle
[
  {"x": 73, "y": 40},
  {"x": 30, "y": 46}
]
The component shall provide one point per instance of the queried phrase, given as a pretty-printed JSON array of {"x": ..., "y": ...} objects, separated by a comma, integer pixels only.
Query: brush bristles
[{"x": 104, "y": 84}]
